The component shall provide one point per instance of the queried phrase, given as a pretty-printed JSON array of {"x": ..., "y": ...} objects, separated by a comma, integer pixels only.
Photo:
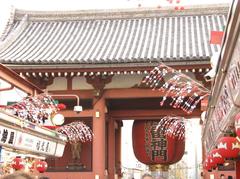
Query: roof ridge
[
  {"x": 8, "y": 25},
  {"x": 120, "y": 13},
  {"x": 13, "y": 34}
]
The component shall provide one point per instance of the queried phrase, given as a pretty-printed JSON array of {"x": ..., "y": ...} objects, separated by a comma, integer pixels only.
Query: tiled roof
[{"x": 143, "y": 36}]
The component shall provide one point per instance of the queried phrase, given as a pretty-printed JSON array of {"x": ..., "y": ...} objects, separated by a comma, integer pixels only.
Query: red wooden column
[
  {"x": 99, "y": 142},
  {"x": 238, "y": 169},
  {"x": 118, "y": 151},
  {"x": 111, "y": 149}
]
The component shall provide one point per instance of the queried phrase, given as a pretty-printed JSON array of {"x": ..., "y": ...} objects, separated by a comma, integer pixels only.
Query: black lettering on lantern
[{"x": 158, "y": 144}]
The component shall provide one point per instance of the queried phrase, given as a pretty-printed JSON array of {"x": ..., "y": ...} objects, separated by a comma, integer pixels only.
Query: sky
[{"x": 100, "y": 4}]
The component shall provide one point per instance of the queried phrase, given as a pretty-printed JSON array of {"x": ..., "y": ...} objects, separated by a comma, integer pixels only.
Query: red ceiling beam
[
  {"x": 71, "y": 113},
  {"x": 14, "y": 79},
  {"x": 151, "y": 114},
  {"x": 120, "y": 93}
]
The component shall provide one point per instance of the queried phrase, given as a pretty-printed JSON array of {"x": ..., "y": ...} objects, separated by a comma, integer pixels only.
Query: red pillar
[
  {"x": 99, "y": 142},
  {"x": 118, "y": 151},
  {"x": 111, "y": 149},
  {"x": 238, "y": 169}
]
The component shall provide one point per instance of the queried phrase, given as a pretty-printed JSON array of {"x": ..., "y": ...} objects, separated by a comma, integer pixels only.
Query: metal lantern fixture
[
  {"x": 41, "y": 166},
  {"x": 18, "y": 163},
  {"x": 228, "y": 147}
]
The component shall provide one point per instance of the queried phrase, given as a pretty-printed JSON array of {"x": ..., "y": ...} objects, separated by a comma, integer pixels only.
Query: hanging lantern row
[
  {"x": 185, "y": 92},
  {"x": 172, "y": 126},
  {"x": 76, "y": 132},
  {"x": 227, "y": 148},
  {"x": 19, "y": 163},
  {"x": 35, "y": 109}
]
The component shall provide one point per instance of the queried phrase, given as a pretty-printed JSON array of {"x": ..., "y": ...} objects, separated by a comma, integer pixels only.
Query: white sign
[
  {"x": 59, "y": 150},
  {"x": 35, "y": 144},
  {"x": 7, "y": 136},
  {"x": 228, "y": 100}
]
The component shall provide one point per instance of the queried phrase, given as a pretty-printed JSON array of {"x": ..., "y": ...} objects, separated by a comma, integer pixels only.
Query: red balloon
[
  {"x": 237, "y": 124},
  {"x": 41, "y": 166},
  {"x": 229, "y": 147},
  {"x": 18, "y": 163},
  {"x": 154, "y": 147},
  {"x": 217, "y": 157}
]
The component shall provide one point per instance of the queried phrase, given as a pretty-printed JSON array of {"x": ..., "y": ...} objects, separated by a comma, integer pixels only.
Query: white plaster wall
[
  {"x": 59, "y": 83},
  {"x": 80, "y": 83},
  {"x": 124, "y": 81}
]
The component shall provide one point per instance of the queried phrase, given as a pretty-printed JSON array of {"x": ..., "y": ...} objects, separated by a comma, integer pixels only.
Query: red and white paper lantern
[
  {"x": 41, "y": 166},
  {"x": 229, "y": 147},
  {"x": 18, "y": 163}
]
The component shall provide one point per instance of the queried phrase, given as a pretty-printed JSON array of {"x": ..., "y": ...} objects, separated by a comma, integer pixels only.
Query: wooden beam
[
  {"x": 16, "y": 80},
  {"x": 151, "y": 114},
  {"x": 83, "y": 94},
  {"x": 71, "y": 113},
  {"x": 114, "y": 93},
  {"x": 132, "y": 93}
]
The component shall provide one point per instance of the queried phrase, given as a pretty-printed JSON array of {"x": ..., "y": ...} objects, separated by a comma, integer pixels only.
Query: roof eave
[{"x": 115, "y": 65}]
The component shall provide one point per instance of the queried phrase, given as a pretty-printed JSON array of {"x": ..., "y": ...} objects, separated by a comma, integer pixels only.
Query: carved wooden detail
[
  {"x": 98, "y": 82},
  {"x": 41, "y": 82}
]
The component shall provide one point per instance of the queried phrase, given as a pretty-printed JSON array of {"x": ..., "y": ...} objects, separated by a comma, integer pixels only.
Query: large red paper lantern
[
  {"x": 152, "y": 146},
  {"x": 237, "y": 124},
  {"x": 229, "y": 147},
  {"x": 217, "y": 157},
  {"x": 41, "y": 166},
  {"x": 18, "y": 163}
]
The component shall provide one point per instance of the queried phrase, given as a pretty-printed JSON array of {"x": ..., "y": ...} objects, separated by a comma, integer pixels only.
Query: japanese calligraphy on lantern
[
  {"x": 157, "y": 143},
  {"x": 7, "y": 136}
]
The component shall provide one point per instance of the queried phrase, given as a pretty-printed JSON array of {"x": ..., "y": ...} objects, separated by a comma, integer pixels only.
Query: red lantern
[
  {"x": 41, "y": 166},
  {"x": 211, "y": 162},
  {"x": 18, "y": 163},
  {"x": 208, "y": 164},
  {"x": 152, "y": 146},
  {"x": 229, "y": 147},
  {"x": 237, "y": 124},
  {"x": 217, "y": 157},
  {"x": 61, "y": 106}
]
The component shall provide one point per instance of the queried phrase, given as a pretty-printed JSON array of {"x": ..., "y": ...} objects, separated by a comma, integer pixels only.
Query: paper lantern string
[
  {"x": 76, "y": 132},
  {"x": 172, "y": 127},
  {"x": 185, "y": 92},
  {"x": 36, "y": 109}
]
